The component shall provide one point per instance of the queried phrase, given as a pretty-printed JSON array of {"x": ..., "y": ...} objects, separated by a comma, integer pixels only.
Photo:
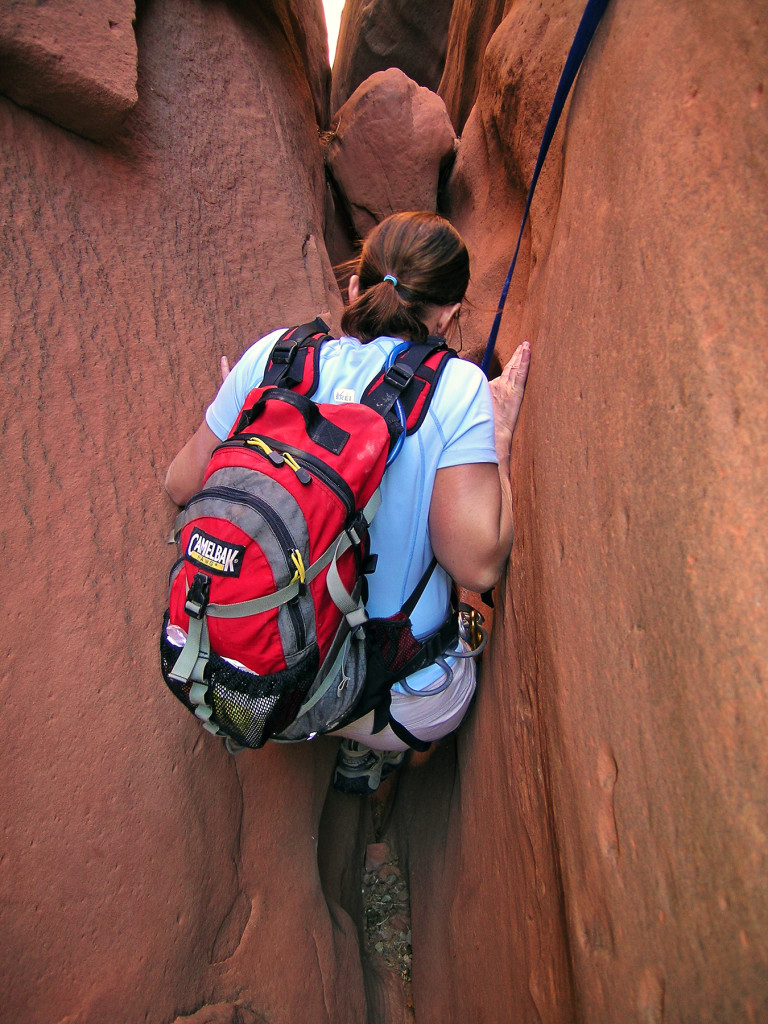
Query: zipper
[
  {"x": 281, "y": 533},
  {"x": 333, "y": 480}
]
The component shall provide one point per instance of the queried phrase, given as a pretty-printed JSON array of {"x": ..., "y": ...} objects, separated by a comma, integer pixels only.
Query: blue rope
[{"x": 593, "y": 12}]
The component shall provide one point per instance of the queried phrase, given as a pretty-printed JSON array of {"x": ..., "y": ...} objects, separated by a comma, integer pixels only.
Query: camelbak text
[{"x": 214, "y": 555}]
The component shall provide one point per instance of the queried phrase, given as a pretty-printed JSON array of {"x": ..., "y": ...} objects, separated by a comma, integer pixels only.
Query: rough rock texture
[
  {"x": 147, "y": 875},
  {"x": 378, "y": 34},
  {"x": 303, "y": 22},
  {"x": 73, "y": 62},
  {"x": 471, "y": 28},
  {"x": 606, "y": 844},
  {"x": 390, "y": 143},
  {"x": 593, "y": 847}
]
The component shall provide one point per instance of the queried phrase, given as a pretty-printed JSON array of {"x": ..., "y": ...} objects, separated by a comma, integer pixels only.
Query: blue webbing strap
[{"x": 593, "y": 12}]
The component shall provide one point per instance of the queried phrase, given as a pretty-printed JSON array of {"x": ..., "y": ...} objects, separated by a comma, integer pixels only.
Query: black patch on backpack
[{"x": 219, "y": 557}]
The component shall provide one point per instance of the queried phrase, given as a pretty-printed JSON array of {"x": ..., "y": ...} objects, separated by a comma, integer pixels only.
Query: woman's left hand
[
  {"x": 224, "y": 364},
  {"x": 508, "y": 389}
]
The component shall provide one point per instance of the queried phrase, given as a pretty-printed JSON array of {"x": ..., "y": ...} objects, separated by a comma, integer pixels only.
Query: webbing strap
[
  {"x": 403, "y": 734},
  {"x": 286, "y": 362},
  {"x": 259, "y": 604},
  {"x": 353, "y": 609},
  {"x": 191, "y": 663},
  {"x": 419, "y": 589},
  {"x": 382, "y": 393},
  {"x": 593, "y": 12}
]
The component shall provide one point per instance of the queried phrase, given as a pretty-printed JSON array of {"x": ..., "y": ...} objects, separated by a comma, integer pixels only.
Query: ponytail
[
  {"x": 410, "y": 261},
  {"x": 384, "y": 309}
]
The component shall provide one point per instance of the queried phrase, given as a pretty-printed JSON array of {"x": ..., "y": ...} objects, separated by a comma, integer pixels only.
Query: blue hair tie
[{"x": 390, "y": 277}]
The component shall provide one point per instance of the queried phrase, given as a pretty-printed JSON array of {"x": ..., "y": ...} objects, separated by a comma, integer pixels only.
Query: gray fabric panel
[
  {"x": 254, "y": 525},
  {"x": 270, "y": 491},
  {"x": 341, "y": 692},
  {"x": 276, "y": 496}
]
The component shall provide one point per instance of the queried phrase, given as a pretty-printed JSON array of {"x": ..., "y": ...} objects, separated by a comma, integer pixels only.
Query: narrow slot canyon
[{"x": 179, "y": 179}]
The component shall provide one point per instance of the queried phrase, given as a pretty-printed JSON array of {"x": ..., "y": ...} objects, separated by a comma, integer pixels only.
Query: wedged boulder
[
  {"x": 148, "y": 875},
  {"x": 375, "y": 35},
  {"x": 604, "y": 857},
  {"x": 73, "y": 63},
  {"x": 390, "y": 143}
]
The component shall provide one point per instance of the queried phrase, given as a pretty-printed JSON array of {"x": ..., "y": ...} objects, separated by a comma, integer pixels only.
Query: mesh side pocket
[
  {"x": 252, "y": 708},
  {"x": 248, "y": 708},
  {"x": 391, "y": 644}
]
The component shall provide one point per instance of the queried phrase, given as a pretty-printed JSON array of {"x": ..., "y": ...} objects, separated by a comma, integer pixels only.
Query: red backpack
[{"x": 266, "y": 634}]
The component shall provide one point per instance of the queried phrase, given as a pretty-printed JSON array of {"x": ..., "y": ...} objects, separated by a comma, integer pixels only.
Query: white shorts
[{"x": 429, "y": 716}]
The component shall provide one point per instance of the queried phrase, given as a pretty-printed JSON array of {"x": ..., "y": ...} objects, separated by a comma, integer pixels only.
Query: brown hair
[{"x": 430, "y": 263}]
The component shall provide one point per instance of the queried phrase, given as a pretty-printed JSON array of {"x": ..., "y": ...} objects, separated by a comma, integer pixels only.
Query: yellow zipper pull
[
  {"x": 298, "y": 561},
  {"x": 301, "y": 473},
  {"x": 274, "y": 457}
]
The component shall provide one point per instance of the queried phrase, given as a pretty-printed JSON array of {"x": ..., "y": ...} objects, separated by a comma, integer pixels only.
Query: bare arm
[
  {"x": 470, "y": 514},
  {"x": 185, "y": 474}
]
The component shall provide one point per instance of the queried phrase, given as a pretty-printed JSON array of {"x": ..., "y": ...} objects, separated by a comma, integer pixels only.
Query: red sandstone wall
[
  {"x": 471, "y": 28},
  {"x": 594, "y": 847},
  {"x": 605, "y": 852},
  {"x": 72, "y": 62},
  {"x": 145, "y": 873}
]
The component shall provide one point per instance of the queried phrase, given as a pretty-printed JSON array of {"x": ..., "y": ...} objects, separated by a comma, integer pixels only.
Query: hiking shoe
[{"x": 360, "y": 770}]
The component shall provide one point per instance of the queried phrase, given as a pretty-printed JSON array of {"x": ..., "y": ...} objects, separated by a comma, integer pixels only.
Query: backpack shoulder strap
[
  {"x": 416, "y": 403},
  {"x": 295, "y": 358},
  {"x": 412, "y": 379}
]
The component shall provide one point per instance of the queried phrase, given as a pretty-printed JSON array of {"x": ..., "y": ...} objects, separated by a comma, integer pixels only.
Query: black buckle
[
  {"x": 198, "y": 596},
  {"x": 283, "y": 351},
  {"x": 399, "y": 376},
  {"x": 357, "y": 529}
]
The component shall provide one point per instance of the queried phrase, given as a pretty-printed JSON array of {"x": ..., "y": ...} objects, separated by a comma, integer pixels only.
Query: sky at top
[{"x": 333, "y": 10}]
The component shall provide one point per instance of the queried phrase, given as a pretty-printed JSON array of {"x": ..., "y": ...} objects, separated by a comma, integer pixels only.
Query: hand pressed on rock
[
  {"x": 470, "y": 514},
  {"x": 508, "y": 389},
  {"x": 224, "y": 364}
]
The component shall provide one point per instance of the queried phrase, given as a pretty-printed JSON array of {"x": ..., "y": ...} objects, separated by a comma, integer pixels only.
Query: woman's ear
[
  {"x": 447, "y": 314},
  {"x": 353, "y": 289}
]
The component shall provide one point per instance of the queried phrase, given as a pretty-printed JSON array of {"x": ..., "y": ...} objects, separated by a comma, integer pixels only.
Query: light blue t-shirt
[{"x": 458, "y": 429}]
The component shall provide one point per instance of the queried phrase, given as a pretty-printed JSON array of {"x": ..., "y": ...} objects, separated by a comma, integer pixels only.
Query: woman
[{"x": 446, "y": 493}]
